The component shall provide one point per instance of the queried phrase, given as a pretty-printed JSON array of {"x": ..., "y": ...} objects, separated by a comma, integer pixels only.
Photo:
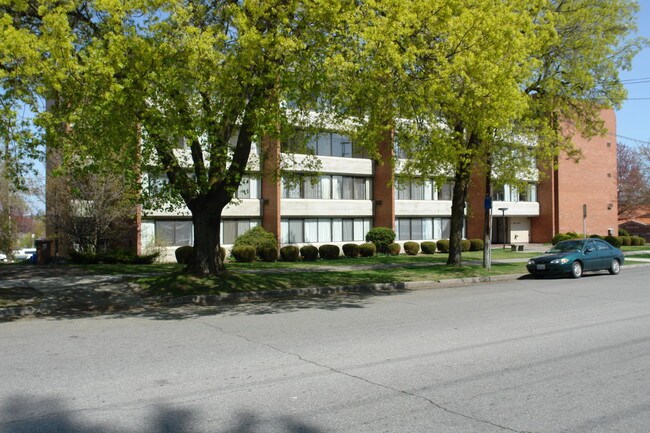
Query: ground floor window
[
  {"x": 174, "y": 232},
  {"x": 320, "y": 230},
  {"x": 422, "y": 228},
  {"x": 181, "y": 232}
]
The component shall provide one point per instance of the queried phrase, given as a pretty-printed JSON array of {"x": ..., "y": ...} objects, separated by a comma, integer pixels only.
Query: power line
[{"x": 636, "y": 140}]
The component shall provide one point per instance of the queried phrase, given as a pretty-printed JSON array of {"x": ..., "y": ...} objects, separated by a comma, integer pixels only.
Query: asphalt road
[{"x": 554, "y": 355}]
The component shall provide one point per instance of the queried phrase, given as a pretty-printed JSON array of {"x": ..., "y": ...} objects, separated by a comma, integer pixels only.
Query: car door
[
  {"x": 605, "y": 254},
  {"x": 590, "y": 256}
]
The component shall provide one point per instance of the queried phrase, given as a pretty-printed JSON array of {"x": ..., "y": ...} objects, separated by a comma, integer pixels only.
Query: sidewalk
[{"x": 71, "y": 292}]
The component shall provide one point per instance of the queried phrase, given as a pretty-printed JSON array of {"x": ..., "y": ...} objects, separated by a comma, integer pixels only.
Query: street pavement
[{"x": 551, "y": 355}]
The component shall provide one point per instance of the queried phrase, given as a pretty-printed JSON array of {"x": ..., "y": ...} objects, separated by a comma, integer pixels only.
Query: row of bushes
[
  {"x": 616, "y": 241},
  {"x": 111, "y": 257}
]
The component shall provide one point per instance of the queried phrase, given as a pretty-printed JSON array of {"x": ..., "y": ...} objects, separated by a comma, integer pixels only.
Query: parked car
[
  {"x": 24, "y": 254},
  {"x": 575, "y": 256}
]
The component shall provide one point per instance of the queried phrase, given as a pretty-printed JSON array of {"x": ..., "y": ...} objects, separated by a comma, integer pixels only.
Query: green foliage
[
  {"x": 351, "y": 250},
  {"x": 367, "y": 249},
  {"x": 614, "y": 241},
  {"x": 623, "y": 232},
  {"x": 381, "y": 237},
  {"x": 638, "y": 241},
  {"x": 596, "y": 237},
  {"x": 112, "y": 257},
  {"x": 309, "y": 253},
  {"x": 394, "y": 248},
  {"x": 184, "y": 254},
  {"x": 244, "y": 253},
  {"x": 465, "y": 245},
  {"x": 329, "y": 252},
  {"x": 411, "y": 248},
  {"x": 476, "y": 244},
  {"x": 443, "y": 245},
  {"x": 559, "y": 238},
  {"x": 257, "y": 238},
  {"x": 268, "y": 254},
  {"x": 626, "y": 240},
  {"x": 428, "y": 247},
  {"x": 290, "y": 253}
]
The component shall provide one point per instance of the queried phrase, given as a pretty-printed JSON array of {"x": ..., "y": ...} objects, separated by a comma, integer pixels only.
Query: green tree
[{"x": 134, "y": 79}]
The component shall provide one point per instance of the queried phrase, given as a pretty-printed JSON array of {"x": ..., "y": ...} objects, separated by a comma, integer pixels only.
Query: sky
[{"x": 633, "y": 119}]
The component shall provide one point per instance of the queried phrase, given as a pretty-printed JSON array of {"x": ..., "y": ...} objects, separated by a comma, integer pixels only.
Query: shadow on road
[{"x": 21, "y": 414}]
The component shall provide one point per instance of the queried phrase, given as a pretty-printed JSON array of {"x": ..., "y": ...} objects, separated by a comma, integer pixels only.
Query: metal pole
[{"x": 503, "y": 216}]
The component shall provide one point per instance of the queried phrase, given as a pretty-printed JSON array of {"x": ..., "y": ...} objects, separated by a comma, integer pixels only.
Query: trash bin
[{"x": 43, "y": 251}]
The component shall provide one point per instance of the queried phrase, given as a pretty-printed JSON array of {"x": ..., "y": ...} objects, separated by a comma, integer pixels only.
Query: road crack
[{"x": 366, "y": 380}]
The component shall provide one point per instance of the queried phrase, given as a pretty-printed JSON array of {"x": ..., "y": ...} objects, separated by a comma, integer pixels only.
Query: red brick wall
[
  {"x": 591, "y": 181},
  {"x": 271, "y": 187},
  {"x": 383, "y": 191},
  {"x": 475, "y": 205}
]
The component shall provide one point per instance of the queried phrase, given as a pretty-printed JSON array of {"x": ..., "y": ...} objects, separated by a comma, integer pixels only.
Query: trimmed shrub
[
  {"x": 638, "y": 241},
  {"x": 614, "y": 241},
  {"x": 411, "y": 248},
  {"x": 309, "y": 253},
  {"x": 329, "y": 252},
  {"x": 367, "y": 250},
  {"x": 626, "y": 240},
  {"x": 112, "y": 257},
  {"x": 428, "y": 247},
  {"x": 559, "y": 238},
  {"x": 394, "y": 249},
  {"x": 443, "y": 245},
  {"x": 476, "y": 244},
  {"x": 573, "y": 235},
  {"x": 268, "y": 254},
  {"x": 623, "y": 232},
  {"x": 257, "y": 238},
  {"x": 596, "y": 237},
  {"x": 290, "y": 253},
  {"x": 244, "y": 253},
  {"x": 351, "y": 250},
  {"x": 465, "y": 245},
  {"x": 184, "y": 254},
  {"x": 381, "y": 237}
]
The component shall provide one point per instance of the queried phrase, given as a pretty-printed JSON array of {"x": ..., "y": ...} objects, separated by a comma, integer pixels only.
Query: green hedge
[
  {"x": 443, "y": 245},
  {"x": 428, "y": 247},
  {"x": 268, "y": 254},
  {"x": 329, "y": 252},
  {"x": 244, "y": 253},
  {"x": 411, "y": 248},
  {"x": 476, "y": 244},
  {"x": 394, "y": 249},
  {"x": 367, "y": 249},
  {"x": 382, "y": 237},
  {"x": 614, "y": 240},
  {"x": 309, "y": 253},
  {"x": 257, "y": 238},
  {"x": 351, "y": 250},
  {"x": 465, "y": 245},
  {"x": 112, "y": 257},
  {"x": 290, "y": 253},
  {"x": 184, "y": 254}
]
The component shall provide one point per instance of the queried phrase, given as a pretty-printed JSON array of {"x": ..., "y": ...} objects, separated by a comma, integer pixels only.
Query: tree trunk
[
  {"x": 206, "y": 217},
  {"x": 457, "y": 215}
]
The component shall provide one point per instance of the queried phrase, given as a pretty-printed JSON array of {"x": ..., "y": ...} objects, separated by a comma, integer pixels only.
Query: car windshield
[{"x": 566, "y": 246}]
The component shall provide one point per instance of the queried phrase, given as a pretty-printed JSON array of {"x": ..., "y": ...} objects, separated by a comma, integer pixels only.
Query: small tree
[{"x": 382, "y": 237}]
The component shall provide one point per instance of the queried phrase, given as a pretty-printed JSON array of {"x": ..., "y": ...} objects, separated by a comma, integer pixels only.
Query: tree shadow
[
  {"x": 22, "y": 414},
  {"x": 60, "y": 295}
]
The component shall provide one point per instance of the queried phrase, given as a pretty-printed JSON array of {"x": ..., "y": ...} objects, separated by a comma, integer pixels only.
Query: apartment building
[{"x": 353, "y": 193}]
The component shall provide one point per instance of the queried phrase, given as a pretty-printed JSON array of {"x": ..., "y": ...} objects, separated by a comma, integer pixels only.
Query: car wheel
[
  {"x": 576, "y": 270},
  {"x": 615, "y": 267}
]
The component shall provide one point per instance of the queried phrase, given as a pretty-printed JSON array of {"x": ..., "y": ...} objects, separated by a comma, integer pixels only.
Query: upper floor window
[
  {"x": 249, "y": 187},
  {"x": 424, "y": 190},
  {"x": 325, "y": 144},
  {"x": 328, "y": 187}
]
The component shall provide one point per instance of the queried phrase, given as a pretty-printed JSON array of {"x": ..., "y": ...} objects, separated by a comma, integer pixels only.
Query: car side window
[
  {"x": 602, "y": 246},
  {"x": 589, "y": 246}
]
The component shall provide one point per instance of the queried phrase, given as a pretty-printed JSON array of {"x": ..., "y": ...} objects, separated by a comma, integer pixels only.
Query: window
[
  {"x": 311, "y": 230},
  {"x": 248, "y": 188},
  {"x": 328, "y": 187},
  {"x": 445, "y": 191},
  {"x": 532, "y": 192},
  {"x": 231, "y": 228},
  {"x": 173, "y": 233},
  {"x": 499, "y": 193}
]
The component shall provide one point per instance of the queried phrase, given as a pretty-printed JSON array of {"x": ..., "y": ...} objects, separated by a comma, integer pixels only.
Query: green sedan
[{"x": 575, "y": 256}]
